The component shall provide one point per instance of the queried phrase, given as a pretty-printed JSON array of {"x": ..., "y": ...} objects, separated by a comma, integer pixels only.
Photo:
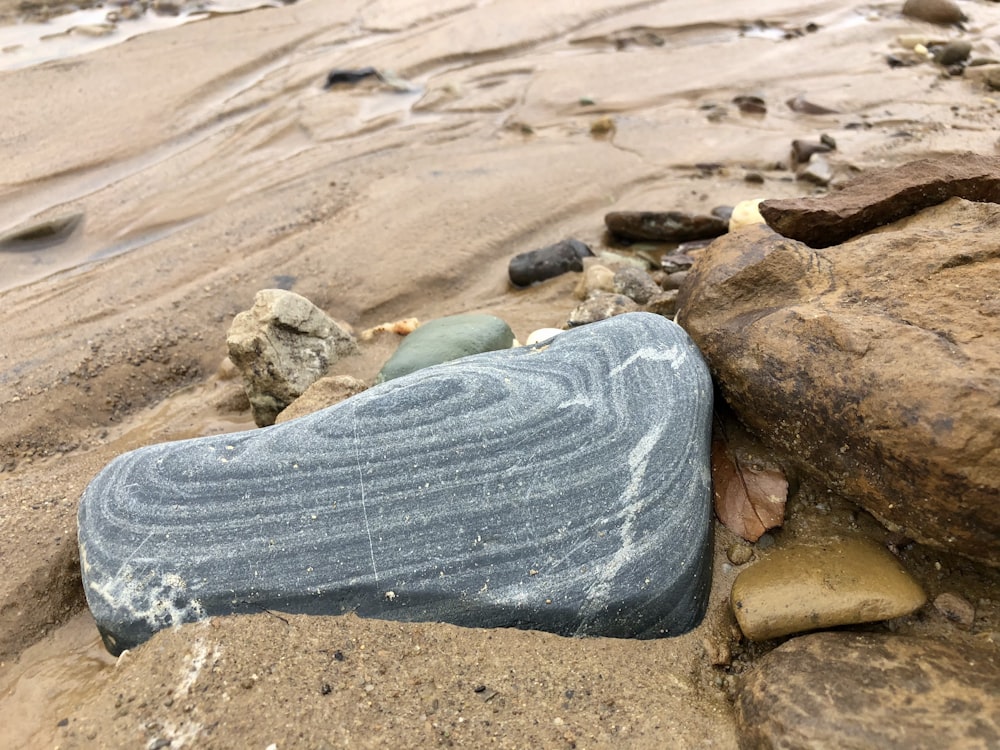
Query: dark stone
[
  {"x": 40, "y": 235},
  {"x": 562, "y": 487},
  {"x": 895, "y": 61},
  {"x": 802, "y": 150},
  {"x": 859, "y": 690},
  {"x": 881, "y": 196},
  {"x": 664, "y": 226},
  {"x": 799, "y": 103},
  {"x": 547, "y": 262},
  {"x": 750, "y": 105},
  {"x": 723, "y": 212},
  {"x": 944, "y": 12},
  {"x": 956, "y": 51},
  {"x": 673, "y": 262},
  {"x": 348, "y": 76}
]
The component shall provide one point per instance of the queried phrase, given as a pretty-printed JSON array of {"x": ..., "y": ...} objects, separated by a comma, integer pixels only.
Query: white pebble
[
  {"x": 746, "y": 213},
  {"x": 542, "y": 334}
]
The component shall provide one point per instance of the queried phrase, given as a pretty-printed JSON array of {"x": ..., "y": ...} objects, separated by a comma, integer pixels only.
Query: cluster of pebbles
[{"x": 644, "y": 280}]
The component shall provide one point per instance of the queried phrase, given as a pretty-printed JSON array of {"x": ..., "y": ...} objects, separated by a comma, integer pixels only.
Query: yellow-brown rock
[{"x": 842, "y": 582}]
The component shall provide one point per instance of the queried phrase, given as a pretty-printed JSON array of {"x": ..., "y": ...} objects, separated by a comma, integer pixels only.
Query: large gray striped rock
[{"x": 563, "y": 487}]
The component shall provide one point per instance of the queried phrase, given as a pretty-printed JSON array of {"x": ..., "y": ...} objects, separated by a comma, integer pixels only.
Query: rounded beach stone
[
  {"x": 934, "y": 11},
  {"x": 445, "y": 339},
  {"x": 804, "y": 588},
  {"x": 635, "y": 284},
  {"x": 596, "y": 278},
  {"x": 561, "y": 487}
]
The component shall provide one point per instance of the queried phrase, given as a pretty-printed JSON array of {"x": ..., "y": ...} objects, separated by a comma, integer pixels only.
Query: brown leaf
[{"x": 748, "y": 501}]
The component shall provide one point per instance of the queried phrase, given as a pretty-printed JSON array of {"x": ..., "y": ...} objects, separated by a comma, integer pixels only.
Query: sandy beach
[{"x": 207, "y": 161}]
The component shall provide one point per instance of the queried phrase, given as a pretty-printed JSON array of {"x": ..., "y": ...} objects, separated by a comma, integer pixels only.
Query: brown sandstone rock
[
  {"x": 874, "y": 364},
  {"x": 882, "y": 196},
  {"x": 852, "y": 690}
]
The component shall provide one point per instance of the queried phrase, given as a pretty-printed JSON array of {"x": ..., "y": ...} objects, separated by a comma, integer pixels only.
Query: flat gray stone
[{"x": 562, "y": 487}]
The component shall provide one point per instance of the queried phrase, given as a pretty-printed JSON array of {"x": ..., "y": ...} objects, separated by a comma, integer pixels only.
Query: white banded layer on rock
[{"x": 562, "y": 487}]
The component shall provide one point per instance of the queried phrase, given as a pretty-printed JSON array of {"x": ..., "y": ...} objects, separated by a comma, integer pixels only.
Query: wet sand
[{"x": 208, "y": 162}]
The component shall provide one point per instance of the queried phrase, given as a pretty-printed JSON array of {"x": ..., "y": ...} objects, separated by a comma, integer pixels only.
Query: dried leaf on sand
[{"x": 748, "y": 500}]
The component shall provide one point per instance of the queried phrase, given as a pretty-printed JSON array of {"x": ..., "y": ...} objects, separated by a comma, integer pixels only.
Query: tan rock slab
[
  {"x": 882, "y": 196},
  {"x": 843, "y": 582},
  {"x": 859, "y": 690},
  {"x": 325, "y": 392}
]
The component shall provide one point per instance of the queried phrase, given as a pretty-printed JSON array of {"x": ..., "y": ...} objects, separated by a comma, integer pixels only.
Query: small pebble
[
  {"x": 739, "y": 553},
  {"x": 956, "y": 608},
  {"x": 766, "y": 541},
  {"x": 746, "y": 213},
  {"x": 596, "y": 278},
  {"x": 547, "y": 262},
  {"x": 673, "y": 262},
  {"x": 602, "y": 126},
  {"x": 674, "y": 280},
  {"x": 818, "y": 171},
  {"x": 664, "y": 303},
  {"x": 953, "y": 52},
  {"x": 802, "y": 151},
  {"x": 542, "y": 334},
  {"x": 636, "y": 284},
  {"x": 600, "y": 307},
  {"x": 722, "y": 212},
  {"x": 750, "y": 105}
]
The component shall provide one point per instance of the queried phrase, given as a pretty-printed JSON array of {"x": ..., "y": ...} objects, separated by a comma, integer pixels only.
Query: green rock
[{"x": 445, "y": 339}]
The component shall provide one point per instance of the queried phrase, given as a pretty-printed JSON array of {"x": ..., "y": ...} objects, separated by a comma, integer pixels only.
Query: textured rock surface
[
  {"x": 600, "y": 306},
  {"x": 282, "y": 345},
  {"x": 563, "y": 487},
  {"x": 636, "y": 284},
  {"x": 665, "y": 226},
  {"x": 842, "y": 582},
  {"x": 848, "y": 690},
  {"x": 325, "y": 392},
  {"x": 874, "y": 364},
  {"x": 881, "y": 196},
  {"x": 547, "y": 262},
  {"x": 445, "y": 339},
  {"x": 595, "y": 278}
]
